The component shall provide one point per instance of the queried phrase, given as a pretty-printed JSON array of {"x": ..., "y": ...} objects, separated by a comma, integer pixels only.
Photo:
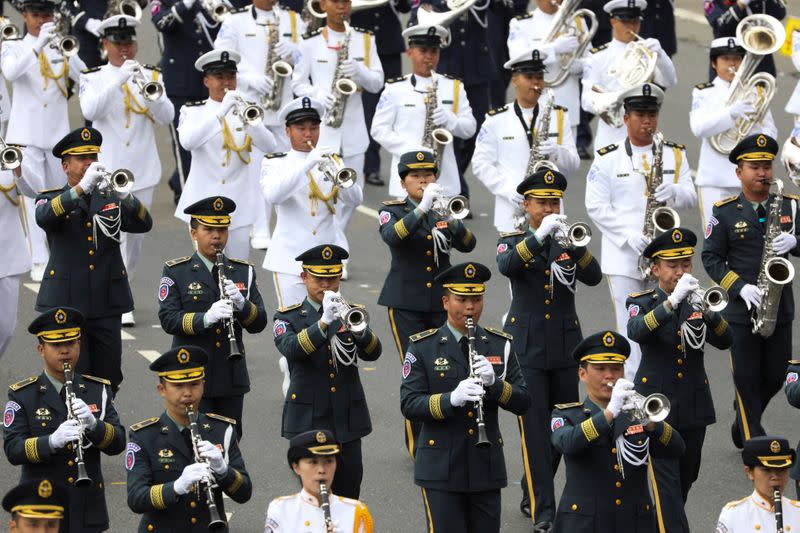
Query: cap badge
[
  {"x": 183, "y": 356},
  {"x": 86, "y": 135},
  {"x": 321, "y": 438},
  {"x": 306, "y": 102},
  {"x": 646, "y": 90},
  {"x": 224, "y": 56},
  {"x": 469, "y": 271},
  {"x": 218, "y": 204},
  {"x": 731, "y": 43},
  {"x": 420, "y": 156},
  {"x": 432, "y": 31},
  {"x": 761, "y": 141},
  {"x": 608, "y": 339},
  {"x": 631, "y": 3},
  {"x": 535, "y": 55},
  {"x": 677, "y": 236},
  {"x": 45, "y": 489},
  {"x": 60, "y": 316},
  {"x": 549, "y": 177},
  {"x": 327, "y": 253},
  {"x": 775, "y": 446},
  {"x": 123, "y": 23}
]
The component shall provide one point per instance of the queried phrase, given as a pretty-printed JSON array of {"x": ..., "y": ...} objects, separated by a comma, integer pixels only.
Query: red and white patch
[
  {"x": 41, "y": 201},
  {"x": 384, "y": 217},
  {"x": 130, "y": 455},
  {"x": 791, "y": 377},
  {"x": 163, "y": 288},
  {"x": 10, "y": 413},
  {"x": 563, "y": 257},
  {"x": 442, "y": 224},
  {"x": 155, "y": 8},
  {"x": 502, "y": 247},
  {"x": 109, "y": 207},
  {"x": 634, "y": 429},
  {"x": 278, "y": 328},
  {"x": 696, "y": 314},
  {"x": 407, "y": 362},
  {"x": 240, "y": 285},
  {"x": 93, "y": 408},
  {"x": 633, "y": 310},
  {"x": 556, "y": 422},
  {"x": 494, "y": 359},
  {"x": 712, "y": 221},
  {"x": 785, "y": 219}
]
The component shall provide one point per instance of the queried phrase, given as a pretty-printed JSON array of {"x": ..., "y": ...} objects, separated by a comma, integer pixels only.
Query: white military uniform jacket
[
  {"x": 708, "y": 117},
  {"x": 528, "y": 31},
  {"x": 39, "y": 108},
  {"x": 313, "y": 76},
  {"x": 215, "y": 170},
  {"x": 754, "y": 513},
  {"x": 302, "y": 222},
  {"x": 502, "y": 151},
  {"x": 301, "y": 513},
  {"x": 793, "y": 105},
  {"x": 595, "y": 74},
  {"x": 399, "y": 123},
  {"x": 615, "y": 198},
  {"x": 128, "y": 137},
  {"x": 245, "y": 31},
  {"x": 12, "y": 240}
]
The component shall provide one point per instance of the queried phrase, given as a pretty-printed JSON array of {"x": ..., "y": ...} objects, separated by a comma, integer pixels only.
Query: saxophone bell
[{"x": 664, "y": 219}]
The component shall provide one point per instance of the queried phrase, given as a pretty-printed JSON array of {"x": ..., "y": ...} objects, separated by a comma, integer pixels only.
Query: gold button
[
  {"x": 217, "y": 344},
  {"x": 644, "y": 380},
  {"x": 44, "y": 424},
  {"x": 194, "y": 298},
  {"x": 429, "y": 237},
  {"x": 91, "y": 252},
  {"x": 547, "y": 287},
  {"x": 70, "y": 462},
  {"x": 428, "y": 269},
  {"x": 616, "y": 466},
  {"x": 441, "y": 374},
  {"x": 680, "y": 333},
  {"x": 680, "y": 375},
  {"x": 680, "y": 346},
  {"x": 332, "y": 375},
  {"x": 757, "y": 526},
  {"x": 306, "y": 523},
  {"x": 194, "y": 520},
  {"x": 192, "y": 504},
  {"x": 333, "y": 389},
  {"x": 431, "y": 442},
  {"x": 547, "y": 272},
  {"x": 91, "y": 267},
  {"x": 471, "y": 431},
  {"x": 618, "y": 484},
  {"x": 166, "y": 467},
  {"x": 70, "y": 480},
  {"x": 613, "y": 450},
  {"x": 574, "y": 507},
  {"x": 69, "y": 446},
  {"x": 88, "y": 224},
  {"x": 470, "y": 414},
  {"x": 428, "y": 252},
  {"x": 150, "y": 527},
  {"x": 547, "y": 316},
  {"x": 89, "y": 238},
  {"x": 52, "y": 272},
  {"x": 680, "y": 361},
  {"x": 330, "y": 361},
  {"x": 294, "y": 396},
  {"x": 618, "y": 501},
  {"x": 705, "y": 381},
  {"x": 429, "y": 285},
  {"x": 218, "y": 331},
  {"x": 547, "y": 302},
  {"x": 647, "y": 507},
  {"x": 513, "y": 319},
  {"x": 500, "y": 440},
  {"x": 100, "y": 485}
]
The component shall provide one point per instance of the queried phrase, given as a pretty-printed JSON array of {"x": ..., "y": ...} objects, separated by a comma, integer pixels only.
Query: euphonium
[
  {"x": 278, "y": 69},
  {"x": 10, "y": 156},
  {"x": 121, "y": 180},
  {"x": 760, "y": 35},
  {"x": 577, "y": 235},
  {"x": 66, "y": 44},
  {"x": 456, "y": 7},
  {"x": 82, "y": 479},
  {"x": 433, "y": 138},
  {"x": 355, "y": 319},
  {"x": 341, "y": 87},
  {"x": 216, "y": 9},
  {"x": 149, "y": 89},
  {"x": 8, "y": 30},
  {"x": 565, "y": 22},
  {"x": 131, "y": 8},
  {"x": 713, "y": 299},
  {"x": 483, "y": 440},
  {"x": 359, "y": 5},
  {"x": 537, "y": 160},
  {"x": 209, "y": 483},
  {"x": 790, "y": 157}
]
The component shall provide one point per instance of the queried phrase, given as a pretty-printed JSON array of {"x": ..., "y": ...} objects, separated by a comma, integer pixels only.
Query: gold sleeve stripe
[
  {"x": 238, "y": 481},
  {"x": 728, "y": 280},
  {"x": 108, "y": 436},
  {"x": 650, "y": 321},
  {"x": 187, "y": 323},
  {"x": 435, "y": 406},
  {"x": 467, "y": 238},
  {"x": 373, "y": 343},
  {"x": 31, "y": 451},
  {"x": 58, "y": 209},
  {"x": 251, "y": 316},
  {"x": 142, "y": 214},
  {"x": 589, "y": 431},
  {"x": 401, "y": 230},
  {"x": 584, "y": 261},
  {"x": 305, "y": 342},
  {"x": 523, "y": 251},
  {"x": 721, "y": 328},
  {"x": 157, "y": 497},
  {"x": 666, "y": 435},
  {"x": 506, "y": 394}
]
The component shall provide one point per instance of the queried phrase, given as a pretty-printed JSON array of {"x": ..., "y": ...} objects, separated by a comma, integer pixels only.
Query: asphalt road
[{"x": 388, "y": 488}]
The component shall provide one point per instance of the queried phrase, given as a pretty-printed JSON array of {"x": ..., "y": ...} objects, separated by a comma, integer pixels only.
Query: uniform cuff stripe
[
  {"x": 435, "y": 406},
  {"x": 584, "y": 261},
  {"x": 31, "y": 450},
  {"x": 58, "y": 209},
  {"x": 187, "y": 323},
  {"x": 401, "y": 230},
  {"x": 237, "y": 482},
  {"x": 666, "y": 435},
  {"x": 506, "y": 394},
  {"x": 108, "y": 436},
  {"x": 728, "y": 280},
  {"x": 305, "y": 342},
  {"x": 523, "y": 251},
  {"x": 251, "y": 315},
  {"x": 589, "y": 431},
  {"x": 157, "y": 497},
  {"x": 650, "y": 321}
]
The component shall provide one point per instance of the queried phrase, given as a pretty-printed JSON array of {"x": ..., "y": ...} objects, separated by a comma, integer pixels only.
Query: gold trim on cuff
[
  {"x": 400, "y": 229},
  {"x": 187, "y": 323},
  {"x": 728, "y": 280},
  {"x": 523, "y": 251},
  {"x": 157, "y": 497},
  {"x": 589, "y": 431},
  {"x": 506, "y": 394},
  {"x": 435, "y": 406},
  {"x": 305, "y": 342},
  {"x": 32, "y": 451},
  {"x": 650, "y": 321}
]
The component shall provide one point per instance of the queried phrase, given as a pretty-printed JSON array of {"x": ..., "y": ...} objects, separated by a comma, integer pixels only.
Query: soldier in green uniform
[
  {"x": 606, "y": 450},
  {"x": 194, "y": 312},
  {"x": 460, "y": 480},
  {"x": 36, "y": 506},
  {"x": 38, "y": 435},
  {"x": 792, "y": 390},
  {"x": 420, "y": 240},
  {"x": 83, "y": 220},
  {"x": 544, "y": 268},
  {"x": 323, "y": 352},
  {"x": 163, "y": 470},
  {"x": 672, "y": 323}
]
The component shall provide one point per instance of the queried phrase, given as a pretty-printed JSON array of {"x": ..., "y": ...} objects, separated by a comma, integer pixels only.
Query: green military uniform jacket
[{"x": 792, "y": 389}]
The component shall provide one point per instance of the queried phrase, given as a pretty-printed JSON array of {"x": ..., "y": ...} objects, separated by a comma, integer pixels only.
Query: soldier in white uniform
[
  {"x": 312, "y": 457},
  {"x": 223, "y": 147},
  {"x": 17, "y": 257},
  {"x": 247, "y": 31},
  {"x": 38, "y": 116},
  {"x": 400, "y": 116},
  {"x": 716, "y": 177},
  {"x": 504, "y": 142},
  {"x": 616, "y": 196},
  {"x": 313, "y": 76},
  {"x": 793, "y": 105},
  {"x": 625, "y": 22},
  {"x": 766, "y": 463},
  {"x": 111, "y": 99}
]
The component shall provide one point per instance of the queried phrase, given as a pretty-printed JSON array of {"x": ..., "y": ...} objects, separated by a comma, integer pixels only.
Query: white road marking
[
  {"x": 33, "y": 286},
  {"x": 150, "y": 355},
  {"x": 691, "y": 16},
  {"x": 367, "y": 211},
  {"x": 127, "y": 336}
]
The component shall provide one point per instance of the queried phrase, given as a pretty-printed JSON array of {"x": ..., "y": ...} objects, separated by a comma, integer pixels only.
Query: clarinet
[
  {"x": 234, "y": 346},
  {"x": 209, "y": 483},
  {"x": 325, "y": 504},
  {"x": 483, "y": 440},
  {"x": 776, "y": 502},
  {"x": 83, "y": 479}
]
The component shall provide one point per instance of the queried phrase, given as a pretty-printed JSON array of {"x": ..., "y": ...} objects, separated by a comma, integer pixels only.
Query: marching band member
[
  {"x": 420, "y": 240},
  {"x": 18, "y": 258},
  {"x": 766, "y": 463},
  {"x": 318, "y": 62},
  {"x": 715, "y": 178},
  {"x": 38, "y": 118},
  {"x": 248, "y": 32},
  {"x": 793, "y": 105},
  {"x": 461, "y": 483},
  {"x": 177, "y": 498},
  {"x": 617, "y": 194},
  {"x": 111, "y": 99},
  {"x": 83, "y": 219},
  {"x": 401, "y": 118},
  {"x": 504, "y": 145},
  {"x": 42, "y": 433},
  {"x": 193, "y": 311},
  {"x": 792, "y": 390},
  {"x": 732, "y": 256},
  {"x": 675, "y": 309},
  {"x": 323, "y": 349},
  {"x": 598, "y": 76},
  {"x": 222, "y": 141},
  {"x": 36, "y": 506},
  {"x": 312, "y": 457},
  {"x": 606, "y": 450},
  {"x": 544, "y": 271}
]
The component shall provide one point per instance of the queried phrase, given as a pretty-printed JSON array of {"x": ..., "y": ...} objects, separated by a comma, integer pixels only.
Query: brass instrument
[
  {"x": 216, "y": 9},
  {"x": 313, "y": 15},
  {"x": 234, "y": 354},
  {"x": 433, "y": 138},
  {"x": 452, "y": 208},
  {"x": 131, "y": 8},
  {"x": 62, "y": 41},
  {"x": 82, "y": 479},
  {"x": 565, "y": 22},
  {"x": 652, "y": 408},
  {"x": 359, "y": 5},
  {"x": 333, "y": 169},
  {"x": 325, "y": 505},
  {"x": 121, "y": 180},
  {"x": 249, "y": 114},
  {"x": 355, "y": 319},
  {"x": 537, "y": 160},
  {"x": 8, "y": 30},
  {"x": 713, "y": 299},
  {"x": 774, "y": 273},
  {"x": 342, "y": 87},
  {"x": 278, "y": 69},
  {"x": 577, "y": 235},
  {"x": 10, "y": 156},
  {"x": 790, "y": 157},
  {"x": 149, "y": 89},
  {"x": 777, "y": 504},
  {"x": 483, "y": 440},
  {"x": 456, "y": 9},
  {"x": 209, "y": 482},
  {"x": 760, "y": 35}
]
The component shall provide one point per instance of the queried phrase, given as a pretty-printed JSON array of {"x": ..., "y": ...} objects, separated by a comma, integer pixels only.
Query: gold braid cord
[
  {"x": 230, "y": 146},
  {"x": 132, "y": 105},
  {"x": 315, "y": 195},
  {"x": 46, "y": 69}
]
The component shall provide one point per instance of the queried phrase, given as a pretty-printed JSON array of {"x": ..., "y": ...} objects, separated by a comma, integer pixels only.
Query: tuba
[
  {"x": 433, "y": 138},
  {"x": 278, "y": 69},
  {"x": 131, "y": 8},
  {"x": 456, "y": 7},
  {"x": 341, "y": 87},
  {"x": 760, "y": 35},
  {"x": 790, "y": 157},
  {"x": 8, "y": 30},
  {"x": 565, "y": 22}
]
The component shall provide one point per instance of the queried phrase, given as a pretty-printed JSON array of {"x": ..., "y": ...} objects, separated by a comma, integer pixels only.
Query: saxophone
[
  {"x": 342, "y": 87},
  {"x": 536, "y": 160},
  {"x": 775, "y": 271},
  {"x": 433, "y": 138},
  {"x": 278, "y": 69}
]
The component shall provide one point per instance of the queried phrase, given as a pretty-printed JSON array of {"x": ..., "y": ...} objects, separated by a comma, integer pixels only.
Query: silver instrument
[
  {"x": 713, "y": 299},
  {"x": 149, "y": 89},
  {"x": 775, "y": 271},
  {"x": 234, "y": 353},
  {"x": 359, "y": 5},
  {"x": 325, "y": 505},
  {"x": 66, "y": 44},
  {"x": 10, "y": 156},
  {"x": 565, "y": 22},
  {"x": 341, "y": 87},
  {"x": 216, "y": 9},
  {"x": 790, "y": 157},
  {"x": 278, "y": 69},
  {"x": 456, "y": 9},
  {"x": 355, "y": 319},
  {"x": 121, "y": 180},
  {"x": 82, "y": 479},
  {"x": 760, "y": 35},
  {"x": 577, "y": 235},
  {"x": 313, "y": 15},
  {"x": 250, "y": 114},
  {"x": 8, "y": 30},
  {"x": 537, "y": 160},
  {"x": 333, "y": 169},
  {"x": 209, "y": 483},
  {"x": 433, "y": 138},
  {"x": 652, "y": 408},
  {"x": 131, "y": 8},
  {"x": 483, "y": 440},
  {"x": 451, "y": 208}
]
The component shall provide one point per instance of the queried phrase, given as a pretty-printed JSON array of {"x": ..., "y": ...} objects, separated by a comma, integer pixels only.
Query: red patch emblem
[
  {"x": 109, "y": 207},
  {"x": 441, "y": 224},
  {"x": 786, "y": 219},
  {"x": 240, "y": 286},
  {"x": 384, "y": 217},
  {"x": 633, "y": 430},
  {"x": 502, "y": 247},
  {"x": 633, "y": 310},
  {"x": 93, "y": 407},
  {"x": 563, "y": 257},
  {"x": 494, "y": 359},
  {"x": 8, "y": 418},
  {"x": 696, "y": 314}
]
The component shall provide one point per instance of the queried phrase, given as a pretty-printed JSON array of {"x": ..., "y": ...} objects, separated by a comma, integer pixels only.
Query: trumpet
[
  {"x": 209, "y": 483},
  {"x": 8, "y": 30},
  {"x": 452, "y": 208},
  {"x": 577, "y": 235},
  {"x": 66, "y": 44},
  {"x": 10, "y": 156},
  {"x": 131, "y": 8},
  {"x": 355, "y": 319},
  {"x": 216, "y": 9},
  {"x": 713, "y": 299},
  {"x": 149, "y": 89},
  {"x": 82, "y": 479},
  {"x": 334, "y": 170},
  {"x": 121, "y": 180},
  {"x": 249, "y": 114},
  {"x": 652, "y": 408}
]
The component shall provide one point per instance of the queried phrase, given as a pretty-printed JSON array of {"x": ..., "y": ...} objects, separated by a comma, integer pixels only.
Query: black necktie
[
  {"x": 187, "y": 438},
  {"x": 63, "y": 394},
  {"x": 215, "y": 274},
  {"x": 762, "y": 215},
  {"x": 464, "y": 342}
]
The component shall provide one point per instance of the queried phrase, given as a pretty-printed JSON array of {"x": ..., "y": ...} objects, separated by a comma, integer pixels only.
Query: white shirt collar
[
  {"x": 308, "y": 498},
  {"x": 760, "y": 501}
]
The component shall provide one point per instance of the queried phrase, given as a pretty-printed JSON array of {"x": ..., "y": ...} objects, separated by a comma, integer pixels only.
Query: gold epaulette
[
  {"x": 792, "y": 196},
  {"x": 725, "y": 201},
  {"x": 794, "y": 362},
  {"x": 527, "y": 15},
  {"x": 362, "y": 30},
  {"x": 47, "y": 191},
  {"x": 273, "y": 155},
  {"x": 496, "y": 110},
  {"x": 511, "y": 234},
  {"x": 310, "y": 34},
  {"x": 598, "y": 48},
  {"x": 569, "y": 405},
  {"x": 561, "y": 107},
  {"x": 674, "y": 144},
  {"x": 641, "y": 293},
  {"x": 230, "y": 421},
  {"x": 394, "y": 202},
  {"x": 240, "y": 9},
  {"x": 104, "y": 381},
  {"x": 86, "y": 70},
  {"x": 423, "y": 334},
  {"x": 24, "y": 383},
  {"x": 499, "y": 333},
  {"x": 194, "y": 103},
  {"x": 240, "y": 261},
  {"x": 395, "y": 80},
  {"x": 607, "y": 149},
  {"x": 177, "y": 261},
  {"x": 705, "y": 85},
  {"x": 290, "y": 308},
  {"x": 144, "y": 423},
  {"x": 731, "y": 505},
  {"x": 152, "y": 67}
]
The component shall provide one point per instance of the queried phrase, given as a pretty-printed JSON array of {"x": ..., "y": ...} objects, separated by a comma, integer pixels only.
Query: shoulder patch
[
  {"x": 104, "y": 381},
  {"x": 362, "y": 30},
  {"x": 240, "y": 261},
  {"x": 289, "y": 308},
  {"x": 194, "y": 103},
  {"x": 641, "y": 293},
  {"x": 527, "y": 15},
  {"x": 84, "y": 71},
  {"x": 152, "y": 67},
  {"x": 607, "y": 149},
  {"x": 177, "y": 261},
  {"x": 675, "y": 144},
  {"x": 48, "y": 191},
  {"x": 705, "y": 85},
  {"x": 24, "y": 383},
  {"x": 449, "y": 77},
  {"x": 731, "y": 505},
  {"x": 423, "y": 334},
  {"x": 570, "y": 405},
  {"x": 511, "y": 234},
  {"x": 144, "y": 423},
  {"x": 497, "y": 110},
  {"x": 560, "y": 108},
  {"x": 395, "y": 80},
  {"x": 725, "y": 201},
  {"x": 792, "y": 196},
  {"x": 499, "y": 333},
  {"x": 273, "y": 155},
  {"x": 394, "y": 202},
  {"x": 310, "y": 34},
  {"x": 599, "y": 48},
  {"x": 230, "y": 421}
]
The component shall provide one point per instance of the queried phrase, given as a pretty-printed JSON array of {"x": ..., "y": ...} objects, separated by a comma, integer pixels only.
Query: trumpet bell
[
  {"x": 579, "y": 234},
  {"x": 458, "y": 206},
  {"x": 152, "y": 91},
  {"x": 315, "y": 9},
  {"x": 356, "y": 319},
  {"x": 345, "y": 178},
  {"x": 68, "y": 46},
  {"x": 656, "y": 407},
  {"x": 8, "y": 30},
  {"x": 121, "y": 180},
  {"x": 715, "y": 299},
  {"x": 10, "y": 158},
  {"x": 252, "y": 115},
  {"x": 130, "y": 8}
]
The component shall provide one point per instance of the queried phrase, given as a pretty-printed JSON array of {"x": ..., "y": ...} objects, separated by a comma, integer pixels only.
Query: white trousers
[
  {"x": 621, "y": 287},
  {"x": 289, "y": 289},
  {"x": 9, "y": 295},
  {"x": 345, "y": 212},
  {"x": 263, "y": 224},
  {"x": 40, "y": 170},
  {"x": 130, "y": 244},
  {"x": 709, "y": 196},
  {"x": 40, "y": 253}
]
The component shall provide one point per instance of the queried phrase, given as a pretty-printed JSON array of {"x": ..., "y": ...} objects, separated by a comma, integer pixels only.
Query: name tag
[
  {"x": 447, "y": 101},
  {"x": 625, "y": 175},
  {"x": 669, "y": 171},
  {"x": 249, "y": 34},
  {"x": 511, "y": 138},
  {"x": 322, "y": 60},
  {"x": 409, "y": 105}
]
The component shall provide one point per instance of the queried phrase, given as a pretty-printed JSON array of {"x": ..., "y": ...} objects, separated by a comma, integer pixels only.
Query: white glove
[
  {"x": 260, "y": 84},
  {"x": 469, "y": 390},
  {"x": 219, "y": 310},
  {"x": 484, "y": 370},
  {"x": 92, "y": 176},
  {"x": 93, "y": 27},
  {"x": 549, "y": 148},
  {"x": 67, "y": 432},
  {"x": 83, "y": 413},
  {"x": 784, "y": 243},
  {"x": 549, "y": 225},
  {"x": 228, "y": 102},
  {"x": 514, "y": 197},
  {"x": 565, "y": 44},
  {"x": 638, "y": 242},
  {"x": 685, "y": 286},
  {"x": 285, "y": 49},
  {"x": 576, "y": 68},
  {"x": 653, "y": 44},
  {"x": 46, "y": 33},
  {"x": 214, "y": 456},
  {"x": 444, "y": 118},
  {"x": 326, "y": 97},
  {"x": 350, "y": 68},
  {"x": 429, "y": 195},
  {"x": 191, "y": 474},
  {"x": 330, "y": 307},
  {"x": 127, "y": 69},
  {"x": 314, "y": 158},
  {"x": 235, "y": 295},
  {"x": 751, "y": 296},
  {"x": 666, "y": 192},
  {"x": 189, "y": 3},
  {"x": 623, "y": 390},
  {"x": 741, "y": 109},
  {"x": 745, "y": 3}
]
